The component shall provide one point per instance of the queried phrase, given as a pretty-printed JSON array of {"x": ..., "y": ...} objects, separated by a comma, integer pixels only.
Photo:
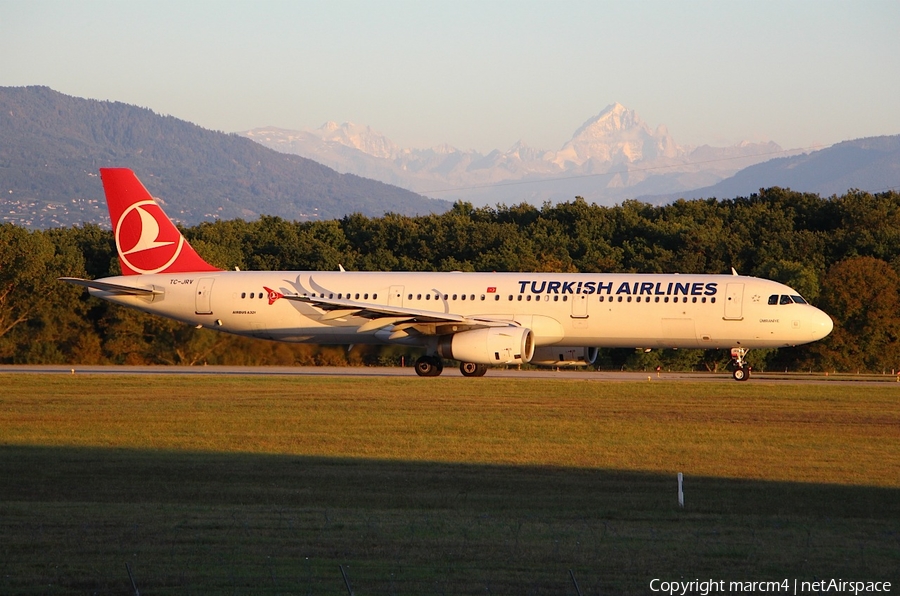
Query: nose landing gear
[{"x": 740, "y": 369}]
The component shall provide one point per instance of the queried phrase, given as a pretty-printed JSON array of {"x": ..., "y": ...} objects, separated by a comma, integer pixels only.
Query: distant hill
[
  {"x": 870, "y": 164},
  {"x": 51, "y": 146}
]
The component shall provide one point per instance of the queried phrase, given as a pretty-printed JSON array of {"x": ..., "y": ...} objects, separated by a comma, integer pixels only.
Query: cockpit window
[{"x": 785, "y": 299}]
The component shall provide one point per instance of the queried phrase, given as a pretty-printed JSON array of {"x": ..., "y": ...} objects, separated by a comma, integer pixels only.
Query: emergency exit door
[{"x": 204, "y": 292}]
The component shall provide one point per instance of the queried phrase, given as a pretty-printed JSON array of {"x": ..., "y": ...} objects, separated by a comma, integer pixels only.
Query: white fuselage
[{"x": 587, "y": 309}]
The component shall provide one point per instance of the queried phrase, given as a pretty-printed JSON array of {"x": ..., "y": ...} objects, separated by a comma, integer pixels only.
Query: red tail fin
[{"x": 147, "y": 240}]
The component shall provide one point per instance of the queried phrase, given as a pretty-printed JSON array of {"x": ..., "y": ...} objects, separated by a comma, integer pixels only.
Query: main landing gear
[
  {"x": 432, "y": 366},
  {"x": 470, "y": 369},
  {"x": 740, "y": 369},
  {"x": 429, "y": 366}
]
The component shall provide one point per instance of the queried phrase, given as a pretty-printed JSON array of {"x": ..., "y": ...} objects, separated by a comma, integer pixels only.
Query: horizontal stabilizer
[{"x": 114, "y": 288}]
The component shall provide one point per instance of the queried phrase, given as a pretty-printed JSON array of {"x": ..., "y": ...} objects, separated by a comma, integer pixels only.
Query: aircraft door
[
  {"x": 734, "y": 297},
  {"x": 204, "y": 291},
  {"x": 580, "y": 306},
  {"x": 395, "y": 296}
]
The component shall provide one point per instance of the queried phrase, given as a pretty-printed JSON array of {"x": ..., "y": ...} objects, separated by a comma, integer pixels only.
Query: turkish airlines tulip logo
[
  {"x": 145, "y": 246},
  {"x": 272, "y": 295}
]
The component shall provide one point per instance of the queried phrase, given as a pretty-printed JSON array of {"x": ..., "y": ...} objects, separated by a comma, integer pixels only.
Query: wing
[
  {"x": 113, "y": 288},
  {"x": 427, "y": 322}
]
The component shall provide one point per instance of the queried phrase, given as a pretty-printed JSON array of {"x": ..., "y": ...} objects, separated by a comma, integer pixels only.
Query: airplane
[{"x": 479, "y": 319}]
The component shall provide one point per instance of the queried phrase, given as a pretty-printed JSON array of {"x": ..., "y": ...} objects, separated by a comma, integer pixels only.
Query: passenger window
[
  {"x": 243, "y": 294},
  {"x": 786, "y": 300}
]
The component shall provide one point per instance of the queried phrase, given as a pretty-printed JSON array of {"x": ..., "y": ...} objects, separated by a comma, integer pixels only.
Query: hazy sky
[{"x": 476, "y": 74}]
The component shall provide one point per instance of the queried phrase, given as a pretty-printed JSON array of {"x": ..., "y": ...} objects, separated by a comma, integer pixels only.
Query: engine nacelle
[
  {"x": 564, "y": 356},
  {"x": 492, "y": 345}
]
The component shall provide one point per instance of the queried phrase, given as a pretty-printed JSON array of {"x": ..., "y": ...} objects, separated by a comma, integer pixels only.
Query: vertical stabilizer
[{"x": 146, "y": 239}]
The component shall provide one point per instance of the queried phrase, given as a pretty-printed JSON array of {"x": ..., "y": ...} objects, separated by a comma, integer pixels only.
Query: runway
[{"x": 503, "y": 373}]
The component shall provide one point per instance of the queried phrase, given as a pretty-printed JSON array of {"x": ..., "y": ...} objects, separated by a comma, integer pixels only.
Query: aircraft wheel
[
  {"x": 428, "y": 366},
  {"x": 438, "y": 367},
  {"x": 741, "y": 373},
  {"x": 470, "y": 369}
]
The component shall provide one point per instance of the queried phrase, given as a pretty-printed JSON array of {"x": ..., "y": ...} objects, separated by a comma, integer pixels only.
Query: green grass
[{"x": 252, "y": 485}]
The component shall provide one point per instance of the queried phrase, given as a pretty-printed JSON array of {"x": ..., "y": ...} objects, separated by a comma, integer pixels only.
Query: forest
[{"x": 842, "y": 253}]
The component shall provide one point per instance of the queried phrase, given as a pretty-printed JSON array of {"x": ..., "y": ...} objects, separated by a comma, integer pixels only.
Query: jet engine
[
  {"x": 564, "y": 356},
  {"x": 492, "y": 345}
]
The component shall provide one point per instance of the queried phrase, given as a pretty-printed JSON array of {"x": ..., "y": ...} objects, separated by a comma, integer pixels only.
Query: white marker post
[{"x": 680, "y": 491}]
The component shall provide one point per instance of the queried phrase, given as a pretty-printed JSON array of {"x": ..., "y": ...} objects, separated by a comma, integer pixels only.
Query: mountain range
[
  {"x": 51, "y": 146},
  {"x": 612, "y": 156},
  {"x": 871, "y": 164}
]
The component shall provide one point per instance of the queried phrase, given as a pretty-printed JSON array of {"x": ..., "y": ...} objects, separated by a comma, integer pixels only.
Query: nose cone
[{"x": 821, "y": 325}]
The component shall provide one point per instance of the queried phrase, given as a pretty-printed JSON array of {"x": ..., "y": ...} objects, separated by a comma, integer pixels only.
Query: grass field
[{"x": 271, "y": 485}]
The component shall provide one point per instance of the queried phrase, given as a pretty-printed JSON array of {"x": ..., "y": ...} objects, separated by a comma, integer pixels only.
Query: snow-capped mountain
[
  {"x": 616, "y": 135},
  {"x": 613, "y": 156}
]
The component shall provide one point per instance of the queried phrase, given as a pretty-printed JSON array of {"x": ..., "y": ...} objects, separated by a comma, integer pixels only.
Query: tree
[
  {"x": 37, "y": 316},
  {"x": 862, "y": 295}
]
